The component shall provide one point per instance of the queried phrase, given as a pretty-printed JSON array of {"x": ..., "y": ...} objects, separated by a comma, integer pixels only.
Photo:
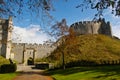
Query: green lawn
[
  {"x": 7, "y": 76},
  {"x": 88, "y": 73}
]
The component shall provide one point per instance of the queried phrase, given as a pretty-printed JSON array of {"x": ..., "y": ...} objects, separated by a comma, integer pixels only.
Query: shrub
[
  {"x": 8, "y": 68},
  {"x": 42, "y": 65},
  {"x": 3, "y": 61}
]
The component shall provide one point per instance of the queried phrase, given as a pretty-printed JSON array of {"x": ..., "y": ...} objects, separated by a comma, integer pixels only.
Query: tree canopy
[
  {"x": 15, "y": 7},
  {"x": 101, "y": 5}
]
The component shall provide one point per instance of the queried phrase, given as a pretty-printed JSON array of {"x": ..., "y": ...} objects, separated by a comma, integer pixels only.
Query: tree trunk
[{"x": 63, "y": 61}]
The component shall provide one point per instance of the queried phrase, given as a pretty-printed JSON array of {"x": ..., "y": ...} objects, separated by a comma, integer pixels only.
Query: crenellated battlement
[
  {"x": 31, "y": 45},
  {"x": 85, "y": 22},
  {"x": 92, "y": 27}
]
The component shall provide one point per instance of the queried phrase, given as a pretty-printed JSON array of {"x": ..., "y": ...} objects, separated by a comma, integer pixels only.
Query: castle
[
  {"x": 92, "y": 27},
  {"x": 21, "y": 52}
]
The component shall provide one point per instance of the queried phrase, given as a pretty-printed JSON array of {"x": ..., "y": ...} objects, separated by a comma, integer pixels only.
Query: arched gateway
[{"x": 28, "y": 53}]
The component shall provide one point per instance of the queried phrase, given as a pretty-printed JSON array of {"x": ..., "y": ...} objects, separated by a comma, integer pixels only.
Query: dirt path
[{"x": 31, "y": 74}]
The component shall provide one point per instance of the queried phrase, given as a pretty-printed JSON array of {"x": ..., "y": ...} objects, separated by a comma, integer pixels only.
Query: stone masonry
[
  {"x": 6, "y": 27},
  {"x": 92, "y": 27},
  {"x": 23, "y": 51}
]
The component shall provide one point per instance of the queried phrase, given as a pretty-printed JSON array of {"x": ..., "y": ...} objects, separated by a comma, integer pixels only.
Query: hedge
[{"x": 8, "y": 68}]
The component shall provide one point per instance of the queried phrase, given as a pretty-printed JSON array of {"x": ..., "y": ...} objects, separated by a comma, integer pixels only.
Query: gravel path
[{"x": 28, "y": 73}]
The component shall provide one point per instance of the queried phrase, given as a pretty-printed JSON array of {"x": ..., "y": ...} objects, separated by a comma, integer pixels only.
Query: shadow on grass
[
  {"x": 106, "y": 70},
  {"x": 68, "y": 70}
]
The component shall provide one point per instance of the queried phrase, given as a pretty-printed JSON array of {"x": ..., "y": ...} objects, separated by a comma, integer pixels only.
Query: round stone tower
[{"x": 92, "y": 27}]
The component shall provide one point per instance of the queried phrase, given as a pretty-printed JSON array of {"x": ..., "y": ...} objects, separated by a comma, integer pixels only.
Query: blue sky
[{"x": 29, "y": 28}]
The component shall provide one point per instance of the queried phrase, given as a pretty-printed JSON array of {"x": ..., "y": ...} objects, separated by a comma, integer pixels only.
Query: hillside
[{"x": 98, "y": 49}]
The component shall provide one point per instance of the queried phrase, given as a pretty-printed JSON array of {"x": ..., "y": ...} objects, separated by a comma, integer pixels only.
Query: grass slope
[
  {"x": 4, "y": 61},
  {"x": 87, "y": 73},
  {"x": 93, "y": 48}
]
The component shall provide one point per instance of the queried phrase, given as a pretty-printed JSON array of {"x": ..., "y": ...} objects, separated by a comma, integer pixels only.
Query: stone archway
[
  {"x": 30, "y": 61},
  {"x": 29, "y": 53}
]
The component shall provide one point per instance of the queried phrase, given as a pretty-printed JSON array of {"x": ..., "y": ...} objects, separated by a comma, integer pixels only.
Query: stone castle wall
[
  {"x": 92, "y": 27},
  {"x": 40, "y": 50}
]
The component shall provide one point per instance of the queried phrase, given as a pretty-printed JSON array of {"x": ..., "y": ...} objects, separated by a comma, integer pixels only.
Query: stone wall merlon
[{"x": 84, "y": 23}]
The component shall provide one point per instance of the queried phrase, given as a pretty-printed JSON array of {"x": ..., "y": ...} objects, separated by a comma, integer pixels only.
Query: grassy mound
[{"x": 98, "y": 49}]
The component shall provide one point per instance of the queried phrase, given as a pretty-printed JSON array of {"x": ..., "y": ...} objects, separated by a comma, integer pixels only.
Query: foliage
[
  {"x": 41, "y": 60},
  {"x": 8, "y": 68},
  {"x": 3, "y": 61},
  {"x": 88, "y": 50},
  {"x": 15, "y": 7},
  {"x": 101, "y": 5},
  {"x": 5, "y": 65},
  {"x": 87, "y": 73},
  {"x": 59, "y": 29}
]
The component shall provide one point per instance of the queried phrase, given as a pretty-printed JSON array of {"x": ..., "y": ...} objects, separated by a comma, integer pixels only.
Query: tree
[
  {"x": 60, "y": 30},
  {"x": 101, "y": 5},
  {"x": 15, "y": 7},
  {"x": 64, "y": 35},
  {"x": 38, "y": 9}
]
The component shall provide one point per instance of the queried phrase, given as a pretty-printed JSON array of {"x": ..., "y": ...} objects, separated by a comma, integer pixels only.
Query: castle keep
[
  {"x": 92, "y": 27},
  {"x": 21, "y": 52}
]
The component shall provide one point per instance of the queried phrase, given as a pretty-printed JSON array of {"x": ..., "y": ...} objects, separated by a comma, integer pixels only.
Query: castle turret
[
  {"x": 6, "y": 27},
  {"x": 9, "y": 38}
]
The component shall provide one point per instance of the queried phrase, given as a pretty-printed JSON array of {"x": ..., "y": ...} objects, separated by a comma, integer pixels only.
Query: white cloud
[
  {"x": 114, "y": 20},
  {"x": 116, "y": 29},
  {"x": 31, "y": 34},
  {"x": 115, "y": 26}
]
